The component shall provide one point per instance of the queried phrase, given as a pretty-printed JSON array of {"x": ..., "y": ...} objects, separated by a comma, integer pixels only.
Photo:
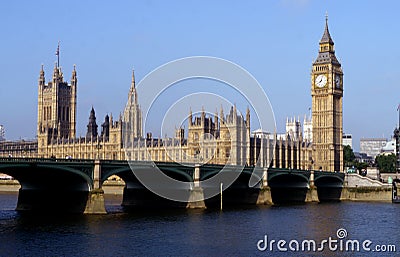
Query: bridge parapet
[
  {"x": 26, "y": 159},
  {"x": 51, "y": 182}
]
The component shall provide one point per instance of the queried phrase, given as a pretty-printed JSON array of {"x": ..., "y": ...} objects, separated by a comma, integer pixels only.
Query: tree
[
  {"x": 348, "y": 156},
  {"x": 349, "y": 159},
  {"x": 386, "y": 163}
]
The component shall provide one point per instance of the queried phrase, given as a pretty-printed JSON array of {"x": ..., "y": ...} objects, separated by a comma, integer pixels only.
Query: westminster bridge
[{"x": 74, "y": 185}]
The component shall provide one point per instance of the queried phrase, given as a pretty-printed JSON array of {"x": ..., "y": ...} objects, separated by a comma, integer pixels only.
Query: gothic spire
[
  {"x": 73, "y": 78},
  {"x": 132, "y": 92},
  {"x": 58, "y": 54},
  {"x": 133, "y": 79},
  {"x": 326, "y": 37},
  {"x": 41, "y": 77},
  {"x": 92, "y": 126},
  {"x": 203, "y": 115},
  {"x": 221, "y": 115},
  {"x": 92, "y": 114},
  {"x": 190, "y": 116},
  {"x": 326, "y": 48}
]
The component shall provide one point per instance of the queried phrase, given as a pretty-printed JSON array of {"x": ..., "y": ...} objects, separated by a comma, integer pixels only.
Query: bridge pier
[
  {"x": 95, "y": 203},
  {"x": 264, "y": 196},
  {"x": 196, "y": 198},
  {"x": 312, "y": 195},
  {"x": 312, "y": 192}
]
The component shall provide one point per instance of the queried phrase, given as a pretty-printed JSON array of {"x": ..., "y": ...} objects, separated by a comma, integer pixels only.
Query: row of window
[{"x": 321, "y": 68}]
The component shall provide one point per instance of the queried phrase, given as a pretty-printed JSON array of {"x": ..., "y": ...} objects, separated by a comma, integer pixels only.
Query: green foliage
[
  {"x": 360, "y": 165},
  {"x": 386, "y": 163},
  {"x": 348, "y": 155},
  {"x": 349, "y": 159}
]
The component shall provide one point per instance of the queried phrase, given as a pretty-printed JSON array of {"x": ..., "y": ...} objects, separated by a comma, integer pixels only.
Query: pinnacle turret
[
  {"x": 92, "y": 126},
  {"x": 132, "y": 97},
  {"x": 41, "y": 77}
]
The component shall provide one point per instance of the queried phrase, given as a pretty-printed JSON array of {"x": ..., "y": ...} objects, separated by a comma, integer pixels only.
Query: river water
[{"x": 232, "y": 232}]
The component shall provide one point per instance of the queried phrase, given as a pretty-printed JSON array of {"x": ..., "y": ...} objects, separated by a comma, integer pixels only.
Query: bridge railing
[{"x": 27, "y": 159}]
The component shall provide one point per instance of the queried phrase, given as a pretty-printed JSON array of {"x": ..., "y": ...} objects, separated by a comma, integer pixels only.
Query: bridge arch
[
  {"x": 288, "y": 185},
  {"x": 119, "y": 171},
  {"x": 244, "y": 175},
  {"x": 136, "y": 194},
  {"x": 50, "y": 185},
  {"x": 329, "y": 185},
  {"x": 28, "y": 175},
  {"x": 327, "y": 180},
  {"x": 239, "y": 192},
  {"x": 277, "y": 176},
  {"x": 126, "y": 173},
  {"x": 177, "y": 174}
]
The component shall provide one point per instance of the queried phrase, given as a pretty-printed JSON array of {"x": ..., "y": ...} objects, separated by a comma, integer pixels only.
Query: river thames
[{"x": 232, "y": 232}]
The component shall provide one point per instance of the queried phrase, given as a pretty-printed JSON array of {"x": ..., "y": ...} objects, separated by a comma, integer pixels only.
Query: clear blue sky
[{"x": 276, "y": 41}]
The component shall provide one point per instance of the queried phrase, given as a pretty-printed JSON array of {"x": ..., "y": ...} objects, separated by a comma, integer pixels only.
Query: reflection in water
[{"x": 233, "y": 232}]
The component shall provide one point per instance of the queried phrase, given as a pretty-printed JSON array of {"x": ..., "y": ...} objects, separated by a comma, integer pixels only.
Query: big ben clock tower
[{"x": 327, "y": 93}]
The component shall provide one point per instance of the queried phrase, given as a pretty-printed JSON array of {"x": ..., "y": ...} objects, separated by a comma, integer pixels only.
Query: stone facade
[
  {"x": 293, "y": 128},
  {"x": 57, "y": 123},
  {"x": 327, "y": 106},
  {"x": 56, "y": 106},
  {"x": 215, "y": 139},
  {"x": 20, "y": 148}
]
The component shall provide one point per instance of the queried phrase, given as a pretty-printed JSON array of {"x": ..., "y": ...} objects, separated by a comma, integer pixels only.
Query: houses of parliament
[{"x": 216, "y": 139}]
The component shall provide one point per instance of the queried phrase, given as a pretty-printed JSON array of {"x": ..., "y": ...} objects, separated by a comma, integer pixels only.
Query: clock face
[
  {"x": 337, "y": 80},
  {"x": 320, "y": 81}
]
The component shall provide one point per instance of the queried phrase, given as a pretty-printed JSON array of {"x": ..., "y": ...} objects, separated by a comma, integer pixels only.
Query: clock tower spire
[{"x": 327, "y": 106}]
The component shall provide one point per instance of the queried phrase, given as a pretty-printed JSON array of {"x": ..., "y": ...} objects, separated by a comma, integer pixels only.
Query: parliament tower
[
  {"x": 56, "y": 106},
  {"x": 327, "y": 107}
]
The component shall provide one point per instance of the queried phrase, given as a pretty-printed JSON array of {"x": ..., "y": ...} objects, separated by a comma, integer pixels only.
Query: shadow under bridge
[
  {"x": 329, "y": 185},
  {"x": 49, "y": 185},
  {"x": 240, "y": 184},
  {"x": 146, "y": 188},
  {"x": 288, "y": 186}
]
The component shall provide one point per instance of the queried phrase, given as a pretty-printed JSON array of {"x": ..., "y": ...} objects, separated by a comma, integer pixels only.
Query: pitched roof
[{"x": 326, "y": 37}]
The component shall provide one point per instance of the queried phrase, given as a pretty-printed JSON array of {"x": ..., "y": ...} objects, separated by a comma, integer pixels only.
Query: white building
[
  {"x": 293, "y": 128},
  {"x": 2, "y": 133},
  {"x": 348, "y": 140},
  {"x": 390, "y": 147},
  {"x": 307, "y": 129},
  {"x": 372, "y": 146}
]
